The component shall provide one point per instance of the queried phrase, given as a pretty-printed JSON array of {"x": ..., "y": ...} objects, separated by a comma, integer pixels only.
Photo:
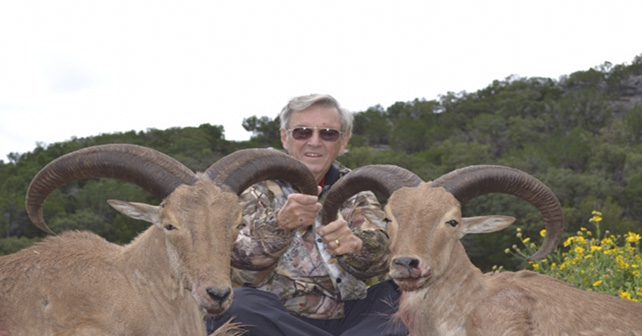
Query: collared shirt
[{"x": 295, "y": 265}]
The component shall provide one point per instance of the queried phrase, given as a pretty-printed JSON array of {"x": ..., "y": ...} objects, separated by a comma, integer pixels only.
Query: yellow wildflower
[
  {"x": 632, "y": 237},
  {"x": 579, "y": 250},
  {"x": 621, "y": 262},
  {"x": 597, "y": 283},
  {"x": 542, "y": 233},
  {"x": 626, "y": 295},
  {"x": 526, "y": 240},
  {"x": 607, "y": 241},
  {"x": 564, "y": 266}
]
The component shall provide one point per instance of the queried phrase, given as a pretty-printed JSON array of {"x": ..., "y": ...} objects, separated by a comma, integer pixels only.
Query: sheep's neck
[
  {"x": 148, "y": 266},
  {"x": 449, "y": 294}
]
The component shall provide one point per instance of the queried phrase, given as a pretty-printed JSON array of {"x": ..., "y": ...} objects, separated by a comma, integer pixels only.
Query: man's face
[{"x": 317, "y": 154}]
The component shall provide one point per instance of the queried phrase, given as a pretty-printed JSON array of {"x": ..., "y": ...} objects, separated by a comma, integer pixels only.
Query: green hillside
[{"x": 581, "y": 134}]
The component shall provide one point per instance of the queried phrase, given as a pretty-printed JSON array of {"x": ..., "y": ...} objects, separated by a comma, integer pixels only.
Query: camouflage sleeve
[
  {"x": 367, "y": 220},
  {"x": 260, "y": 241}
]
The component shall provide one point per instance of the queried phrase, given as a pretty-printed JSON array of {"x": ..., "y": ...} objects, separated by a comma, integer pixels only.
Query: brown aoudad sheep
[
  {"x": 168, "y": 278},
  {"x": 443, "y": 293}
]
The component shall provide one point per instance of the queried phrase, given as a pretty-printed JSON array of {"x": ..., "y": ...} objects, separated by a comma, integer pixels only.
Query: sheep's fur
[
  {"x": 162, "y": 283},
  {"x": 445, "y": 294}
]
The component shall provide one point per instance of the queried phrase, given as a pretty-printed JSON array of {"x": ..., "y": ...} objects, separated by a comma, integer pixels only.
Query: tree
[
  {"x": 265, "y": 131},
  {"x": 373, "y": 126},
  {"x": 633, "y": 124}
]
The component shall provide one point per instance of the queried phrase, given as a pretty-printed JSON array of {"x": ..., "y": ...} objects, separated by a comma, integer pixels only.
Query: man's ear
[
  {"x": 284, "y": 139},
  {"x": 344, "y": 143}
]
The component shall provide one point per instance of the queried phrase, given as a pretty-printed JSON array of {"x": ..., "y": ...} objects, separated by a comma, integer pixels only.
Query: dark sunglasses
[{"x": 305, "y": 133}]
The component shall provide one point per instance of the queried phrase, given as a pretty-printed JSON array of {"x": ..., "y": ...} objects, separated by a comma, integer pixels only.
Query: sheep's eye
[
  {"x": 452, "y": 222},
  {"x": 169, "y": 227}
]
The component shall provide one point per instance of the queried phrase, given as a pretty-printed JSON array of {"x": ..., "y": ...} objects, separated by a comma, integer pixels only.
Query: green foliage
[
  {"x": 633, "y": 124},
  {"x": 265, "y": 131},
  {"x": 572, "y": 150},
  {"x": 13, "y": 244},
  {"x": 372, "y": 126}
]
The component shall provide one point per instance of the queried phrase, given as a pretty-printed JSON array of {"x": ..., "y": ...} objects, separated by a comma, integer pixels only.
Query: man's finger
[
  {"x": 331, "y": 227},
  {"x": 303, "y": 199}
]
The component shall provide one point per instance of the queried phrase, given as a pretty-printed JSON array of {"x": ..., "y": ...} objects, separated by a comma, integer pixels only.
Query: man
[{"x": 287, "y": 287}]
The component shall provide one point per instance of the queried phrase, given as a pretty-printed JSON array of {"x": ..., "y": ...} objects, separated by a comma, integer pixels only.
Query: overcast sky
[{"x": 85, "y": 67}]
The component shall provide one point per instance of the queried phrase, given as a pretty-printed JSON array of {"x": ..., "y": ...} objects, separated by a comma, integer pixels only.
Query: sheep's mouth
[
  {"x": 213, "y": 300},
  {"x": 215, "y": 308},
  {"x": 411, "y": 282},
  {"x": 215, "y": 311}
]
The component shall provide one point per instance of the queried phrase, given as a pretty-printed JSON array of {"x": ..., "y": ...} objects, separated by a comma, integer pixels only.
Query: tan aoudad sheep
[
  {"x": 443, "y": 293},
  {"x": 162, "y": 283}
]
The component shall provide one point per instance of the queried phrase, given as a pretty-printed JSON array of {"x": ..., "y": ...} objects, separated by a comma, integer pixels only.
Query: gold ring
[{"x": 336, "y": 241}]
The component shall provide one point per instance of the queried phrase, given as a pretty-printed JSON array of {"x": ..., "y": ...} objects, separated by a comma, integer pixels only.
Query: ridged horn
[
  {"x": 150, "y": 169},
  {"x": 470, "y": 182},
  {"x": 246, "y": 167},
  {"x": 381, "y": 179}
]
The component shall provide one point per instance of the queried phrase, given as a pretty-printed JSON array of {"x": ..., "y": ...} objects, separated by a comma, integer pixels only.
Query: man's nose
[{"x": 315, "y": 139}]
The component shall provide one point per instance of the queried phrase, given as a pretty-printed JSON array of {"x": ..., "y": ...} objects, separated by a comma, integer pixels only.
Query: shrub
[
  {"x": 13, "y": 244},
  {"x": 591, "y": 260}
]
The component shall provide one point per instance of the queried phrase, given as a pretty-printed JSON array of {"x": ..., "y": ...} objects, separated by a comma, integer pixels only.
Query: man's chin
[{"x": 317, "y": 168}]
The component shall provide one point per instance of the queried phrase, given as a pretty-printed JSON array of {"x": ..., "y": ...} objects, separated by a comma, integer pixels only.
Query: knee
[
  {"x": 251, "y": 304},
  {"x": 251, "y": 300}
]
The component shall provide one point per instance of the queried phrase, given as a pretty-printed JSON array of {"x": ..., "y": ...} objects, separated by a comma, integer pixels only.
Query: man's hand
[
  {"x": 299, "y": 211},
  {"x": 339, "y": 238}
]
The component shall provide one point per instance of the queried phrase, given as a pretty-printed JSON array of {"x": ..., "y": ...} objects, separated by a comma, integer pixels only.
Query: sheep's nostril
[
  {"x": 407, "y": 262},
  {"x": 218, "y": 294}
]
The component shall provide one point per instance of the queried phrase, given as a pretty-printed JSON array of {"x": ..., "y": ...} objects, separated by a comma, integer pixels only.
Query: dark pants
[{"x": 263, "y": 314}]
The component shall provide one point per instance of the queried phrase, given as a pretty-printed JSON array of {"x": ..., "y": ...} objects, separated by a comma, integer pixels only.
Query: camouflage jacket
[{"x": 295, "y": 265}]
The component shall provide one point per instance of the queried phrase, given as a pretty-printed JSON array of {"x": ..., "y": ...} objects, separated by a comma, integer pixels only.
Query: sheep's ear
[
  {"x": 135, "y": 210},
  {"x": 486, "y": 224}
]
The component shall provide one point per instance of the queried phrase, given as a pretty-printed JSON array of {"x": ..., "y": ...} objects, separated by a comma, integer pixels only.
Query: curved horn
[
  {"x": 246, "y": 167},
  {"x": 152, "y": 170},
  {"x": 382, "y": 179},
  {"x": 470, "y": 182}
]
